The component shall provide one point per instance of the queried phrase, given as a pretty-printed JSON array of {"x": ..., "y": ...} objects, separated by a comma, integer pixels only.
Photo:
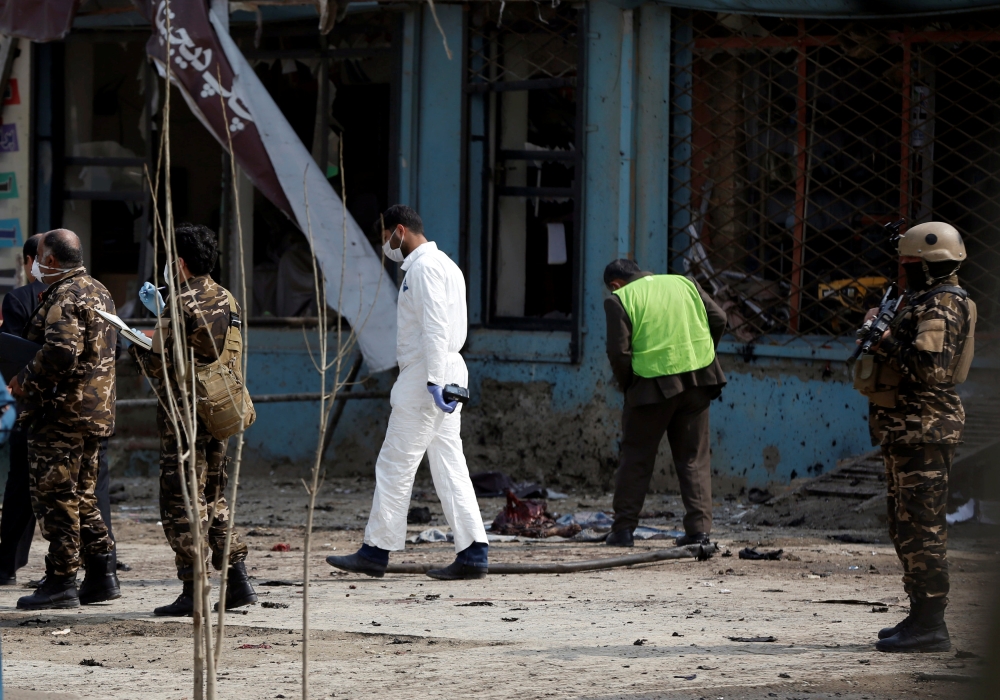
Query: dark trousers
[
  {"x": 17, "y": 523},
  {"x": 684, "y": 418},
  {"x": 917, "y": 490}
]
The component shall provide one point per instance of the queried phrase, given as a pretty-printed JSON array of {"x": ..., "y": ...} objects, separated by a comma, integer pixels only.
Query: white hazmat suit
[{"x": 432, "y": 323}]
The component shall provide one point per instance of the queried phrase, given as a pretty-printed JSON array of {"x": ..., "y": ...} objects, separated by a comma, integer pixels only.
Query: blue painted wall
[{"x": 535, "y": 413}]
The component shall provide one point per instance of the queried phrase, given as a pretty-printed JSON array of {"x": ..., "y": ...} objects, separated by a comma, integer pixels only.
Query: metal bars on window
[
  {"x": 795, "y": 141},
  {"x": 522, "y": 73}
]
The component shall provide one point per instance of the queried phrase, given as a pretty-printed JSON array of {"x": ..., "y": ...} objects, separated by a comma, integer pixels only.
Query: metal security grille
[
  {"x": 796, "y": 141},
  {"x": 524, "y": 159}
]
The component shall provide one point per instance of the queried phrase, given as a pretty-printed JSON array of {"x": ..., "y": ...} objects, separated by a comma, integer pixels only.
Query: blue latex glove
[
  {"x": 9, "y": 413},
  {"x": 438, "y": 393},
  {"x": 151, "y": 299}
]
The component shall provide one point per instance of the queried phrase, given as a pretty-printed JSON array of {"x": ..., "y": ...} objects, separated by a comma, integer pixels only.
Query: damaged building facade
[{"x": 761, "y": 153}]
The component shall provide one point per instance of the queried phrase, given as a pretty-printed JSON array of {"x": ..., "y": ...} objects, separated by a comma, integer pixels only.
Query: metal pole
[{"x": 798, "y": 232}]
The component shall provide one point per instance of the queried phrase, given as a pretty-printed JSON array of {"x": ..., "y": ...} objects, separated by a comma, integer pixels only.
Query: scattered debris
[
  {"x": 851, "y": 539},
  {"x": 688, "y": 678},
  {"x": 850, "y": 601},
  {"x": 475, "y": 604},
  {"x": 757, "y": 495},
  {"x": 639, "y": 642},
  {"x": 279, "y": 582},
  {"x": 418, "y": 515},
  {"x": 796, "y": 522},
  {"x": 708, "y": 668},
  {"x": 254, "y": 646},
  {"x": 431, "y": 535},
  {"x": 498, "y": 484},
  {"x": 752, "y": 554},
  {"x": 677, "y": 634},
  {"x": 784, "y": 675},
  {"x": 122, "y": 566},
  {"x": 509, "y": 619},
  {"x": 397, "y": 640},
  {"x": 950, "y": 677},
  {"x": 34, "y": 622},
  {"x": 959, "y": 654},
  {"x": 91, "y": 662},
  {"x": 430, "y": 596},
  {"x": 652, "y": 533},
  {"x": 281, "y": 547},
  {"x": 528, "y": 518},
  {"x": 57, "y": 633},
  {"x": 880, "y": 609},
  {"x": 259, "y": 532},
  {"x": 866, "y": 662},
  {"x": 650, "y": 514},
  {"x": 273, "y": 605},
  {"x": 62, "y": 643},
  {"x": 752, "y": 639}
]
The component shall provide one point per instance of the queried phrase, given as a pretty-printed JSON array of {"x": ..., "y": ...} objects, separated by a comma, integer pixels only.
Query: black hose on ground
[{"x": 696, "y": 551}]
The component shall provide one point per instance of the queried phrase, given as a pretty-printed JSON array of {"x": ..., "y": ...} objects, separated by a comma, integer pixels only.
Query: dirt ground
[{"x": 652, "y": 631}]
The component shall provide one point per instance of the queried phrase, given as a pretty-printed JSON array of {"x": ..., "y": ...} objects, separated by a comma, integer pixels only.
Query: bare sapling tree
[
  {"x": 178, "y": 401},
  {"x": 325, "y": 360},
  {"x": 237, "y": 460}
]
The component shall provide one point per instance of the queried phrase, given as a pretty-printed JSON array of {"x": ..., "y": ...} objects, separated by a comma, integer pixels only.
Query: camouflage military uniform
[
  {"x": 69, "y": 402},
  {"x": 206, "y": 318},
  {"x": 918, "y": 436}
]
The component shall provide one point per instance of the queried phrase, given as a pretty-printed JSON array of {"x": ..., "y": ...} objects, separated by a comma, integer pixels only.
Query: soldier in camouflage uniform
[
  {"x": 207, "y": 318},
  {"x": 929, "y": 347},
  {"x": 68, "y": 392}
]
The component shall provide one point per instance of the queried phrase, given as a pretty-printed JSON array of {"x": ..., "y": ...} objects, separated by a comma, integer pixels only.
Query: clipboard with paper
[{"x": 126, "y": 332}]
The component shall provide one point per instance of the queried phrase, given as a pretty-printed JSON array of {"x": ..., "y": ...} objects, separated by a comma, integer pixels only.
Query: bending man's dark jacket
[{"x": 641, "y": 390}]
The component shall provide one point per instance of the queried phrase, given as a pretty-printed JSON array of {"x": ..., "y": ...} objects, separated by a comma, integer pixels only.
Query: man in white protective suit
[{"x": 432, "y": 325}]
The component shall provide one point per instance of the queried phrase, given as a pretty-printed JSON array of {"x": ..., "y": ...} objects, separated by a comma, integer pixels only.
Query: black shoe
[
  {"x": 620, "y": 538},
  {"x": 55, "y": 592},
  {"x": 182, "y": 607},
  {"x": 696, "y": 538},
  {"x": 457, "y": 571},
  {"x": 100, "y": 583},
  {"x": 239, "y": 592},
  {"x": 8, "y": 578},
  {"x": 357, "y": 564},
  {"x": 887, "y": 632},
  {"x": 926, "y": 633}
]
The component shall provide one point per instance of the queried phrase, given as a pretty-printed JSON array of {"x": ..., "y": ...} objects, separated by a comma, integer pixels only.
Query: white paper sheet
[{"x": 557, "y": 244}]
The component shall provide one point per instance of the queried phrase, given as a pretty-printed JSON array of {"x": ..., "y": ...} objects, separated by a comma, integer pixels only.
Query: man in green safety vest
[{"x": 662, "y": 335}]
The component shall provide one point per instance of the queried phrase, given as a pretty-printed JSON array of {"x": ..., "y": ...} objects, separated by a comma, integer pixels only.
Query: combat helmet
[{"x": 934, "y": 241}]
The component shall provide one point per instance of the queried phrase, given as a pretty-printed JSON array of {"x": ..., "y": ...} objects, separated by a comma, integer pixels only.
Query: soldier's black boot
[
  {"x": 239, "y": 592},
  {"x": 887, "y": 632},
  {"x": 100, "y": 583},
  {"x": 926, "y": 633},
  {"x": 52, "y": 592},
  {"x": 182, "y": 607}
]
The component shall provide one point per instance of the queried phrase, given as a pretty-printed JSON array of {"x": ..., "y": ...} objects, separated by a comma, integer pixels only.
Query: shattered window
[
  {"x": 795, "y": 142},
  {"x": 525, "y": 159}
]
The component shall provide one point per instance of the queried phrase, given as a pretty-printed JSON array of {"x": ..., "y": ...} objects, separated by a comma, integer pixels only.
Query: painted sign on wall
[{"x": 15, "y": 113}]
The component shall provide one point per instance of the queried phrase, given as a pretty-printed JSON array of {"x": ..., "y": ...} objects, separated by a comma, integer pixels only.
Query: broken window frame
[
  {"x": 806, "y": 47},
  {"x": 489, "y": 194}
]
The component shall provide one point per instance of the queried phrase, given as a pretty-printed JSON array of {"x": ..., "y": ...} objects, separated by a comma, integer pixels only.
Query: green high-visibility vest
[{"x": 670, "y": 333}]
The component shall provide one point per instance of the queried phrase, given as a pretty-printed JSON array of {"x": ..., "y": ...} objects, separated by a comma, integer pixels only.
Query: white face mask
[
  {"x": 394, "y": 254},
  {"x": 166, "y": 271},
  {"x": 36, "y": 270}
]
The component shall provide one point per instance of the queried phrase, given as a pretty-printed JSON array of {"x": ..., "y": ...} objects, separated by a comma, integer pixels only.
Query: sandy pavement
[{"x": 659, "y": 630}]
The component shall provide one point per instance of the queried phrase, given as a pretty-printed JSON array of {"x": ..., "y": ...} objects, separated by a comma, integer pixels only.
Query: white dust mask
[{"x": 394, "y": 254}]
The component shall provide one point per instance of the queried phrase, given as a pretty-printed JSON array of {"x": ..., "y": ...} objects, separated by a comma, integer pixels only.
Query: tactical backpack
[{"x": 223, "y": 402}]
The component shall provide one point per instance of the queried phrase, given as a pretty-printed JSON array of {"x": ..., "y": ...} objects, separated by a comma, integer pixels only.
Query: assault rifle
[{"x": 874, "y": 328}]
